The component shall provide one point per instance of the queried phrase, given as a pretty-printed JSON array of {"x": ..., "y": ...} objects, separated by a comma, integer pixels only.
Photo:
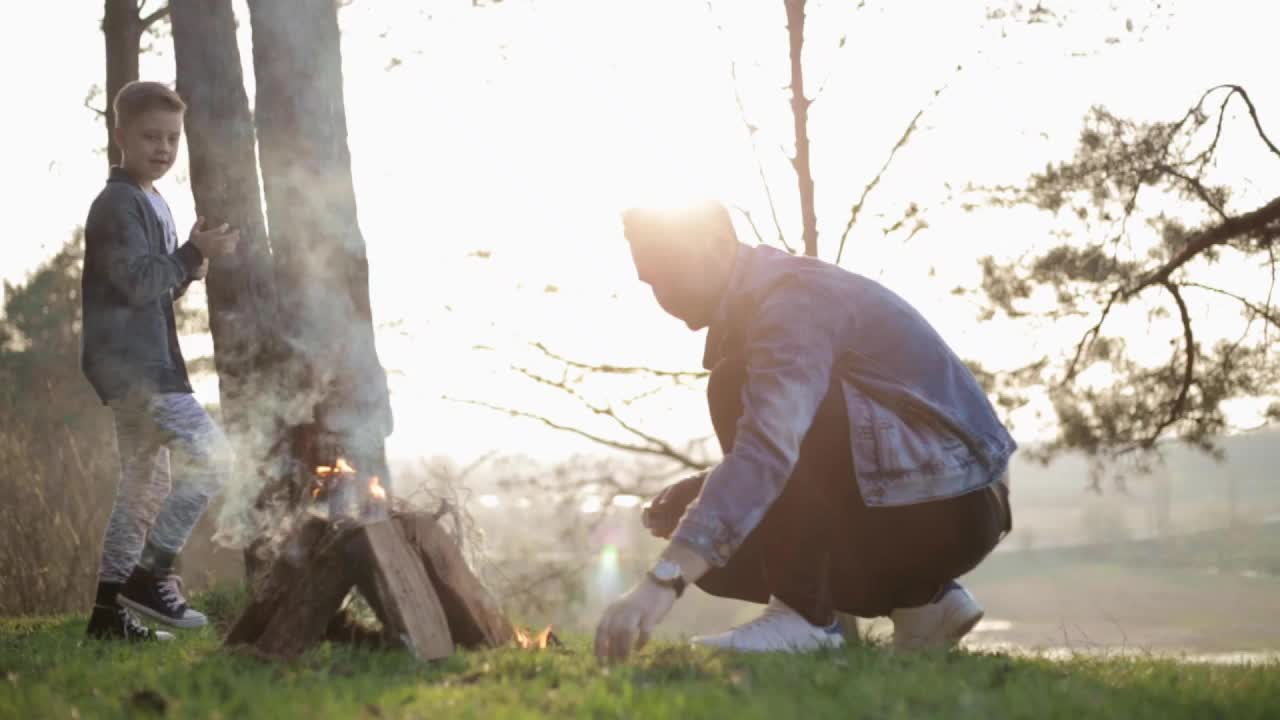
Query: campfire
[
  {"x": 528, "y": 640},
  {"x": 348, "y": 493},
  {"x": 404, "y": 564}
]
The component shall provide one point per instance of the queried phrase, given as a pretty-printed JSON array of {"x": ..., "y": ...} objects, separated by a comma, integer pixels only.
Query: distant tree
[
  {"x": 56, "y": 445},
  {"x": 1147, "y": 215}
]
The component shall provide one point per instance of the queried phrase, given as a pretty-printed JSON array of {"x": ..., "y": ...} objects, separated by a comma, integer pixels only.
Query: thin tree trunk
[
  {"x": 122, "y": 26},
  {"x": 122, "y": 31},
  {"x": 224, "y": 181},
  {"x": 340, "y": 399},
  {"x": 800, "y": 112}
]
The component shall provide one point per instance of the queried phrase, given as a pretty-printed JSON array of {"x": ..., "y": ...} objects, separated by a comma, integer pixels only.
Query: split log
[
  {"x": 399, "y": 588},
  {"x": 292, "y": 568},
  {"x": 474, "y": 617}
]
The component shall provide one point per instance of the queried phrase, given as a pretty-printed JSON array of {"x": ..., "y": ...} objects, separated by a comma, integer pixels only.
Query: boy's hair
[
  {"x": 141, "y": 96},
  {"x": 706, "y": 221}
]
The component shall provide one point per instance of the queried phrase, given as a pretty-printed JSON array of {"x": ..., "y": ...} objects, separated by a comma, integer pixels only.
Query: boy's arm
[{"x": 141, "y": 275}]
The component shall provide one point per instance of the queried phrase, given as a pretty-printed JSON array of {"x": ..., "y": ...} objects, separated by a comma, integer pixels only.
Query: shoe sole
[
  {"x": 185, "y": 624},
  {"x": 951, "y": 639},
  {"x": 698, "y": 641}
]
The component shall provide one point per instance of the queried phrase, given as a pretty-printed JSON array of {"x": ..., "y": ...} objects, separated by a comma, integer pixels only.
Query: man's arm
[
  {"x": 132, "y": 268},
  {"x": 791, "y": 351}
]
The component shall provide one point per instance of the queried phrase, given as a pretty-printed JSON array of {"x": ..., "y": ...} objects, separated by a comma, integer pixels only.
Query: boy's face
[{"x": 149, "y": 144}]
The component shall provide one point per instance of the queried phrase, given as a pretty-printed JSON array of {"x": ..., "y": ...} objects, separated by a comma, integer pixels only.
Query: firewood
[
  {"x": 475, "y": 620},
  {"x": 305, "y": 587},
  {"x": 411, "y": 572},
  {"x": 397, "y": 585}
]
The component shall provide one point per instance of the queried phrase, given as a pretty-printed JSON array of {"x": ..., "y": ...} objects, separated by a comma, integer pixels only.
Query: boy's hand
[
  {"x": 201, "y": 272},
  {"x": 214, "y": 242}
]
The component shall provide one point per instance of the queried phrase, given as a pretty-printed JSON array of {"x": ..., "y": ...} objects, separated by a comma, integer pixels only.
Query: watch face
[{"x": 666, "y": 571}]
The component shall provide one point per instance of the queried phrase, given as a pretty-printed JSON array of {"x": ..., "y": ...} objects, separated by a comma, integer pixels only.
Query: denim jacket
[{"x": 921, "y": 427}]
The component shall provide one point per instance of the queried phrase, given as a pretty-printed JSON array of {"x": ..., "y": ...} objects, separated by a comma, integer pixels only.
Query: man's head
[
  {"x": 148, "y": 128},
  {"x": 685, "y": 255}
]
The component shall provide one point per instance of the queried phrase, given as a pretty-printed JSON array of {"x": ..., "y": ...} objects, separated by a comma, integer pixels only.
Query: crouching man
[{"x": 864, "y": 467}]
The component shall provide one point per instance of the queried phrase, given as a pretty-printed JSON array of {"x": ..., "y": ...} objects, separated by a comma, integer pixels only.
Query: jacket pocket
[{"x": 908, "y": 445}]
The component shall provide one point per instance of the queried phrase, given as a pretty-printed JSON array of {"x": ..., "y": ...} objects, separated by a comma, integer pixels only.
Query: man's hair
[
  {"x": 142, "y": 96},
  {"x": 705, "y": 221}
]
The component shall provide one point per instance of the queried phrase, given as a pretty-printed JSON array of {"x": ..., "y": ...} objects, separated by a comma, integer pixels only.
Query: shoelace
[
  {"x": 131, "y": 624},
  {"x": 170, "y": 588}
]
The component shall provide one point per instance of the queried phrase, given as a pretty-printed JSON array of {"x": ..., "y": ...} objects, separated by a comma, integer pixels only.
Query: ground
[{"x": 48, "y": 670}]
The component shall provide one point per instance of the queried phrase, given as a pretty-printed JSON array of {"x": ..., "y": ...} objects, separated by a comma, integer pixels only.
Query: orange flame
[
  {"x": 375, "y": 488},
  {"x": 527, "y": 640},
  {"x": 341, "y": 467}
]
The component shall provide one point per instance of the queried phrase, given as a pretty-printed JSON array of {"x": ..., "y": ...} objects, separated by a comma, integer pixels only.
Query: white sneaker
[
  {"x": 778, "y": 629},
  {"x": 939, "y": 624}
]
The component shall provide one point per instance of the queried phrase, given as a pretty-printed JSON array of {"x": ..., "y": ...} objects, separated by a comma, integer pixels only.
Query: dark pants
[{"x": 820, "y": 549}]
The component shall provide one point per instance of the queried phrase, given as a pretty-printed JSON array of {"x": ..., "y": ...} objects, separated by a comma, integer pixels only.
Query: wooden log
[
  {"x": 307, "y": 583},
  {"x": 397, "y": 585},
  {"x": 287, "y": 567},
  {"x": 474, "y": 618}
]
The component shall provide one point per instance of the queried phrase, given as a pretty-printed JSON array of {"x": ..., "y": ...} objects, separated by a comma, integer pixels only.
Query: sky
[{"x": 493, "y": 148}]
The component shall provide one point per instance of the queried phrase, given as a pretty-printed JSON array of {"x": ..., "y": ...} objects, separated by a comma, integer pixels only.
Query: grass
[{"x": 48, "y": 670}]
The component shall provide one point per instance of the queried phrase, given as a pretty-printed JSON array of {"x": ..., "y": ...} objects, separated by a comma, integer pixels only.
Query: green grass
[{"x": 48, "y": 670}]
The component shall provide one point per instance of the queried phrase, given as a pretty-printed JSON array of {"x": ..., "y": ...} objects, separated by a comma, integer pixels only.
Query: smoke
[{"x": 324, "y": 373}]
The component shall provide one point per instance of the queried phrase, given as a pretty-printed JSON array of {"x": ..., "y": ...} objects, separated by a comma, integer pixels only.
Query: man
[{"x": 864, "y": 468}]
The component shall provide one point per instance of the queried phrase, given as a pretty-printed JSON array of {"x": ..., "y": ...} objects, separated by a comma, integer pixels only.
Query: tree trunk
[
  {"x": 224, "y": 181},
  {"x": 122, "y": 31},
  {"x": 122, "y": 26},
  {"x": 800, "y": 112},
  {"x": 338, "y": 402}
]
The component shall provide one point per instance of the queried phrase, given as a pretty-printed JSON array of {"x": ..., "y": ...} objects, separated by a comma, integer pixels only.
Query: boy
[{"x": 134, "y": 270}]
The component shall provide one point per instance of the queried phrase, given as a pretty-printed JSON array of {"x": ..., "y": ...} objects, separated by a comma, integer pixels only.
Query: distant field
[{"x": 1210, "y": 592}]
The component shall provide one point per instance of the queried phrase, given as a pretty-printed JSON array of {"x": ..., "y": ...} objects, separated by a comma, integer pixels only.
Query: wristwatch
[{"x": 667, "y": 574}]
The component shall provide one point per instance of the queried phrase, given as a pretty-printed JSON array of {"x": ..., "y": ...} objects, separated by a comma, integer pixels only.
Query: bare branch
[
  {"x": 659, "y": 444},
  {"x": 1253, "y": 113},
  {"x": 1251, "y": 306},
  {"x": 149, "y": 20},
  {"x": 1090, "y": 335},
  {"x": 866, "y": 191},
  {"x": 1188, "y": 368},
  {"x": 621, "y": 369},
  {"x": 1271, "y": 256},
  {"x": 607, "y": 442},
  {"x": 1217, "y": 235},
  {"x": 862, "y": 199},
  {"x": 752, "y": 130},
  {"x": 750, "y": 221},
  {"x": 1196, "y": 186}
]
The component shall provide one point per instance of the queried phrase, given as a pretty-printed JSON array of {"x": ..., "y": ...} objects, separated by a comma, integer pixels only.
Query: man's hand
[
  {"x": 626, "y": 623},
  {"x": 661, "y": 515},
  {"x": 214, "y": 242}
]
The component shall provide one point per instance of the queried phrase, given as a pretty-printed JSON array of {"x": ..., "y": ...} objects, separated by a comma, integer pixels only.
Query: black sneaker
[
  {"x": 112, "y": 622},
  {"x": 160, "y": 597}
]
